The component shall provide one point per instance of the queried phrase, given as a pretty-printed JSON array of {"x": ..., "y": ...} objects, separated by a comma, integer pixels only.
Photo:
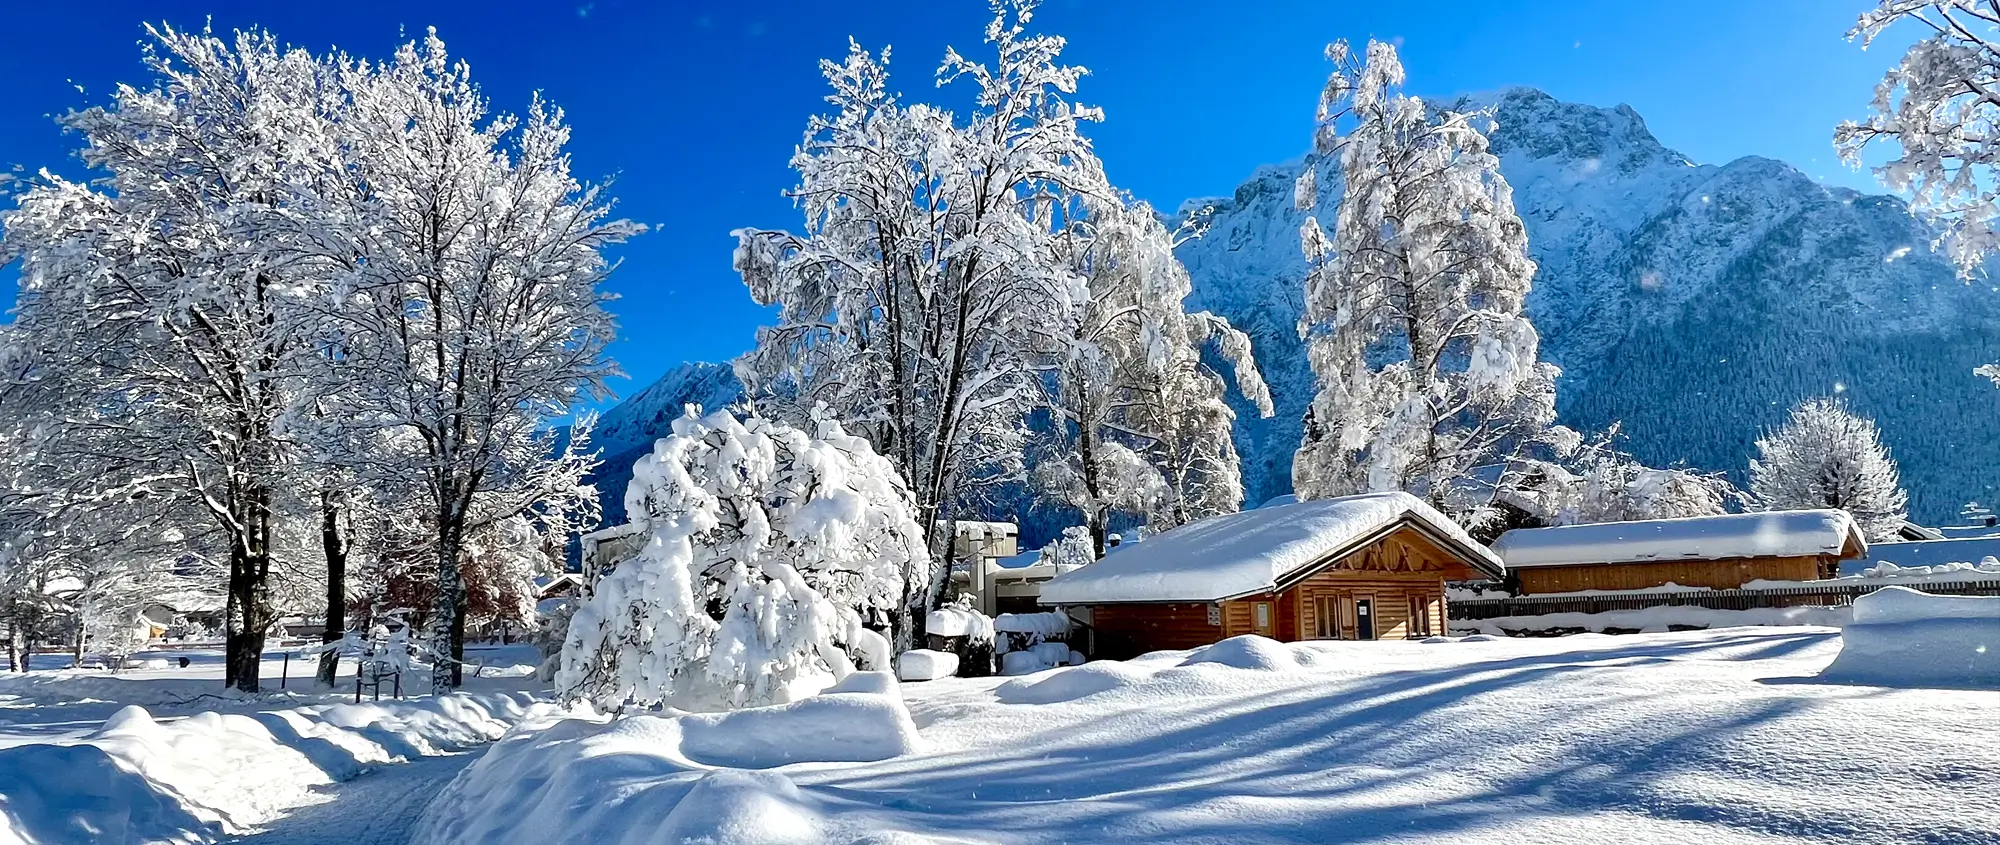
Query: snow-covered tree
[
  {"x": 169, "y": 295},
  {"x": 1426, "y": 366},
  {"x": 1598, "y": 483},
  {"x": 1139, "y": 423},
  {"x": 1072, "y": 548},
  {"x": 770, "y": 553},
  {"x": 1940, "y": 107},
  {"x": 471, "y": 302},
  {"x": 1825, "y": 456},
  {"x": 924, "y": 285}
]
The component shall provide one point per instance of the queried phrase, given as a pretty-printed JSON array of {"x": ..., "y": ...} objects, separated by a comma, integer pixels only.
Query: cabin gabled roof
[
  {"x": 1725, "y": 536},
  {"x": 1241, "y": 554}
]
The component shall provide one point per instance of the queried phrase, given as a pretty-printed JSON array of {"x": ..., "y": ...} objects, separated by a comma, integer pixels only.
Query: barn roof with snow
[
  {"x": 1240, "y": 554},
  {"x": 1768, "y": 534}
]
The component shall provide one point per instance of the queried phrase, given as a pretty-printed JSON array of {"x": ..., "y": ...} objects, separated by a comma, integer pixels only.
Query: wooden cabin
[
  {"x": 1718, "y": 552},
  {"x": 1354, "y": 568}
]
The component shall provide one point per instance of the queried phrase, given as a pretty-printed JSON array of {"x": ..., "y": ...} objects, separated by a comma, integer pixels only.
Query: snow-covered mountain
[
  {"x": 627, "y": 431},
  {"x": 1696, "y": 303}
]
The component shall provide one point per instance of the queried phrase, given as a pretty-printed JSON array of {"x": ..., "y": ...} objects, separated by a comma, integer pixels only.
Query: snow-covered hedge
[
  {"x": 922, "y": 664},
  {"x": 800, "y": 539},
  {"x": 197, "y": 779},
  {"x": 1904, "y": 638}
]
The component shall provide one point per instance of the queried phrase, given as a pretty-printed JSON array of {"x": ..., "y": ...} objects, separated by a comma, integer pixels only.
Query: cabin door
[
  {"x": 1261, "y": 620},
  {"x": 1364, "y": 619}
]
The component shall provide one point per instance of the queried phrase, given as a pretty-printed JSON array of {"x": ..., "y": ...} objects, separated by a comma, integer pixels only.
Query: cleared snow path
[{"x": 378, "y": 808}]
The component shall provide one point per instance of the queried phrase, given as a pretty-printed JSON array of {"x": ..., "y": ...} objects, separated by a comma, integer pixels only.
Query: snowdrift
[
  {"x": 138, "y": 780},
  {"x": 677, "y": 777},
  {"x": 1904, "y": 638}
]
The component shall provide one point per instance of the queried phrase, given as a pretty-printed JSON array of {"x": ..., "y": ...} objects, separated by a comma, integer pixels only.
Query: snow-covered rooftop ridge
[
  {"x": 1764, "y": 534},
  {"x": 1249, "y": 552}
]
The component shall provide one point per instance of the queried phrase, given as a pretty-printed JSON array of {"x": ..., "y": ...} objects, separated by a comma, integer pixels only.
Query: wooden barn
[
  {"x": 1355, "y": 568},
  {"x": 1719, "y": 552}
]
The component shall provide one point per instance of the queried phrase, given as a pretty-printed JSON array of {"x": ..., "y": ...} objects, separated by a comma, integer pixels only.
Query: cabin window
[
  {"x": 1261, "y": 616},
  {"x": 1420, "y": 616},
  {"x": 1326, "y": 617}
]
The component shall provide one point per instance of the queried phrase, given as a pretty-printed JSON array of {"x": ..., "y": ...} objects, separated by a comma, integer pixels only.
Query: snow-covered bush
[
  {"x": 769, "y": 552},
  {"x": 967, "y": 632},
  {"x": 1023, "y": 631},
  {"x": 1825, "y": 456}
]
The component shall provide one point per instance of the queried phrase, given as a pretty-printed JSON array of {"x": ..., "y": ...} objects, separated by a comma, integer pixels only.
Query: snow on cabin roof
[
  {"x": 1765, "y": 534},
  {"x": 1249, "y": 552}
]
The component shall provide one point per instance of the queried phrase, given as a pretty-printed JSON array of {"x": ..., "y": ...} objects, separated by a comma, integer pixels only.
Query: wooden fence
[{"x": 1830, "y": 595}]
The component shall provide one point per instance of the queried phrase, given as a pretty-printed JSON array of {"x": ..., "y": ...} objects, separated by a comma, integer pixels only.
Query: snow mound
[
  {"x": 1041, "y": 657},
  {"x": 1072, "y": 684},
  {"x": 923, "y": 664},
  {"x": 742, "y": 808},
  {"x": 138, "y": 779},
  {"x": 79, "y": 793},
  {"x": 679, "y": 778},
  {"x": 1904, "y": 638},
  {"x": 877, "y": 683},
  {"x": 1249, "y": 651},
  {"x": 828, "y": 728}
]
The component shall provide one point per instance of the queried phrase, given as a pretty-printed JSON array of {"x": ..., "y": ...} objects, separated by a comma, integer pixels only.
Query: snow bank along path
[
  {"x": 139, "y": 780},
  {"x": 1719, "y": 737},
  {"x": 673, "y": 777}
]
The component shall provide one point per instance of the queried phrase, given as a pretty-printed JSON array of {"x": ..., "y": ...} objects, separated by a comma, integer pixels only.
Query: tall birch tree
[{"x": 1426, "y": 366}]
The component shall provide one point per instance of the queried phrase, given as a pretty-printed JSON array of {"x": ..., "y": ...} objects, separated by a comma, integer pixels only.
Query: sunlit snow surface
[{"x": 1714, "y": 737}]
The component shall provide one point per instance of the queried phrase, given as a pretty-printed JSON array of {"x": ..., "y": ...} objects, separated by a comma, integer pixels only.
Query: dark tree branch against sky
[{"x": 693, "y": 108}]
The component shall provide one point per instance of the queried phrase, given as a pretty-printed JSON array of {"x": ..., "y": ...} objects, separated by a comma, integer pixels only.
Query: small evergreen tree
[{"x": 1825, "y": 456}]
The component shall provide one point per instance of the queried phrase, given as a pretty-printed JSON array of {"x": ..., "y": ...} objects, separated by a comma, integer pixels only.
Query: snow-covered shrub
[
  {"x": 769, "y": 551},
  {"x": 965, "y": 631},
  {"x": 1022, "y": 631}
]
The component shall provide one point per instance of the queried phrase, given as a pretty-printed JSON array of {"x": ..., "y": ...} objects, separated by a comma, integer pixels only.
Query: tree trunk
[
  {"x": 15, "y": 661},
  {"x": 333, "y": 542},
  {"x": 250, "y": 592},
  {"x": 447, "y": 624}
]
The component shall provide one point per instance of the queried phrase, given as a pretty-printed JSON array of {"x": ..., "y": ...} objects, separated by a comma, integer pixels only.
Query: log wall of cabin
[
  {"x": 1128, "y": 630},
  {"x": 1726, "y": 574}
]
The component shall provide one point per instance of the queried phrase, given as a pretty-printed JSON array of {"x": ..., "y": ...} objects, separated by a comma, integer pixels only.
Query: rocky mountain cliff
[{"x": 1696, "y": 303}]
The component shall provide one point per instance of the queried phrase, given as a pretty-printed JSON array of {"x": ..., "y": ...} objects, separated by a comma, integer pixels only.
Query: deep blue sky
[{"x": 694, "y": 107}]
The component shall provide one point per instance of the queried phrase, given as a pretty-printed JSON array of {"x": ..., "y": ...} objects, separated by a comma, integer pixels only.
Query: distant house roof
[
  {"x": 1250, "y": 552},
  {"x": 1765, "y": 534},
  {"x": 1911, "y": 532}
]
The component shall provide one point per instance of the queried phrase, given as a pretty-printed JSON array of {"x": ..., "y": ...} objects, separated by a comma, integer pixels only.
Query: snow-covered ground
[
  {"x": 1720, "y": 736},
  {"x": 169, "y": 755}
]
